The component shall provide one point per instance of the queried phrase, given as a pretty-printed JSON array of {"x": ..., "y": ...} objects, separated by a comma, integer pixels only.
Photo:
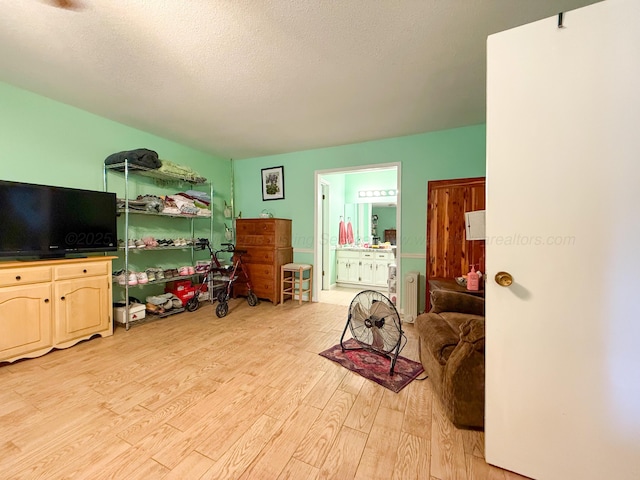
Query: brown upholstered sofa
[{"x": 452, "y": 353}]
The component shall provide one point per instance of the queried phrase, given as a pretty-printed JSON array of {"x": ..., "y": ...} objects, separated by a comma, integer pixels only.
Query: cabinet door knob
[
  {"x": 46, "y": 300},
  {"x": 18, "y": 277},
  {"x": 61, "y": 298},
  {"x": 84, "y": 271}
]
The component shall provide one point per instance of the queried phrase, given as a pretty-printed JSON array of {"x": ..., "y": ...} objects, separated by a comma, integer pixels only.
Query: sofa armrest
[
  {"x": 437, "y": 336},
  {"x": 472, "y": 330},
  {"x": 447, "y": 301},
  {"x": 463, "y": 377}
]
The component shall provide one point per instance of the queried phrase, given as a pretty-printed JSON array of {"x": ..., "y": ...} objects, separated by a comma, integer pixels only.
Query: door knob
[{"x": 504, "y": 279}]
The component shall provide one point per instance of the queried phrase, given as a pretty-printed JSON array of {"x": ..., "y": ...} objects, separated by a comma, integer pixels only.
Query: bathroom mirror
[{"x": 359, "y": 214}]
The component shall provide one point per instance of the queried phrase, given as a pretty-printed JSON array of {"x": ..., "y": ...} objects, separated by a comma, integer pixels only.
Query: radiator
[{"x": 411, "y": 283}]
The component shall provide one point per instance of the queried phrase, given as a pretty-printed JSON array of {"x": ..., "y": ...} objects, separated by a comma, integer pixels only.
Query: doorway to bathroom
[{"x": 365, "y": 198}]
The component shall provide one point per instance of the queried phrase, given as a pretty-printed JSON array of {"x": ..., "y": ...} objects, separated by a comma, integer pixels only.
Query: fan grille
[{"x": 374, "y": 322}]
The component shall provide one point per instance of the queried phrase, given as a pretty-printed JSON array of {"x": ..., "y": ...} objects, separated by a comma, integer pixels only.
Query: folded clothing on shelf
[{"x": 174, "y": 169}]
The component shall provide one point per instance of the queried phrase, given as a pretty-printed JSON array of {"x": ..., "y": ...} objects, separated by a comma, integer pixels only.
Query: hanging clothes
[
  {"x": 349, "y": 233},
  {"x": 342, "y": 233}
]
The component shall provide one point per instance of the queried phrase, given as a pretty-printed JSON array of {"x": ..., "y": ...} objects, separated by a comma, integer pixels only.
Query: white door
[{"x": 563, "y": 218}]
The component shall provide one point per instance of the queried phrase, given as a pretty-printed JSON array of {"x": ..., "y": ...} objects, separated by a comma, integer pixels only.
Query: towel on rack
[
  {"x": 342, "y": 233},
  {"x": 349, "y": 233}
]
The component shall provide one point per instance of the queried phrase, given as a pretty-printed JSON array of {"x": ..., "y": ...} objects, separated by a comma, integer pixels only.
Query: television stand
[{"x": 47, "y": 304}]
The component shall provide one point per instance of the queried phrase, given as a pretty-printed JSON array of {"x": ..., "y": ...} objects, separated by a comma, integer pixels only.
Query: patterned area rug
[{"x": 374, "y": 366}]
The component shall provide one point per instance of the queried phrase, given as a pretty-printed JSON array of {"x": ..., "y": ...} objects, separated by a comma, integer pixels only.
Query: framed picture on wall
[{"x": 273, "y": 183}]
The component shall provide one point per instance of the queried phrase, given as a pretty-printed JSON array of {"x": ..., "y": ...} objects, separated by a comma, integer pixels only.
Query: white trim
[
  {"x": 413, "y": 255},
  {"x": 303, "y": 250}
]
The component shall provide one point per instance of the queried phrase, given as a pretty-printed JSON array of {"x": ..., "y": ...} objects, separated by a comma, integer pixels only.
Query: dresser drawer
[
  {"x": 258, "y": 255},
  {"x": 259, "y": 272},
  {"x": 81, "y": 270},
  {"x": 23, "y": 276},
  {"x": 247, "y": 240},
  {"x": 255, "y": 228},
  {"x": 262, "y": 281}
]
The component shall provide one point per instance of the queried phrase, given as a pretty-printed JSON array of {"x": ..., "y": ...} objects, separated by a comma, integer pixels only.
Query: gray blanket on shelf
[{"x": 142, "y": 157}]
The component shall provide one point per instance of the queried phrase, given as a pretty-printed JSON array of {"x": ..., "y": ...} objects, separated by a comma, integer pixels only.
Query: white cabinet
[
  {"x": 348, "y": 270},
  {"x": 366, "y": 267},
  {"x": 381, "y": 265}
]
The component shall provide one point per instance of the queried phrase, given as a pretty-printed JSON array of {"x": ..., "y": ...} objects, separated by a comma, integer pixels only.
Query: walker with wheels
[{"x": 225, "y": 276}]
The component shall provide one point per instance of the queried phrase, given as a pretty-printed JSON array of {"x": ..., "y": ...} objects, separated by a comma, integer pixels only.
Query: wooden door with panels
[{"x": 449, "y": 253}]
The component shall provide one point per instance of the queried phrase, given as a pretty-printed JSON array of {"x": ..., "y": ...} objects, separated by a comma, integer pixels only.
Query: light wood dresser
[
  {"x": 268, "y": 245},
  {"x": 47, "y": 304}
]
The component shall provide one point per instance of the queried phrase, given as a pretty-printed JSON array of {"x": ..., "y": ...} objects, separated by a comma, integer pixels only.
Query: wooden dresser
[{"x": 268, "y": 245}]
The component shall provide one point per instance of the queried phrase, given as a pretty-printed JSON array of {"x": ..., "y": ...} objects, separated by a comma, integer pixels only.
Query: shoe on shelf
[
  {"x": 133, "y": 278},
  {"x": 140, "y": 244},
  {"x": 151, "y": 274},
  {"x": 183, "y": 271},
  {"x": 159, "y": 274},
  {"x": 142, "y": 278},
  {"x": 192, "y": 270},
  {"x": 131, "y": 243},
  {"x": 177, "y": 303},
  {"x": 168, "y": 273},
  {"x": 152, "y": 308},
  {"x": 150, "y": 242},
  {"x": 120, "y": 277}
]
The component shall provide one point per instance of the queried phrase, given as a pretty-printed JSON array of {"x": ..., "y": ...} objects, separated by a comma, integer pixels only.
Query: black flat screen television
[{"x": 46, "y": 221}]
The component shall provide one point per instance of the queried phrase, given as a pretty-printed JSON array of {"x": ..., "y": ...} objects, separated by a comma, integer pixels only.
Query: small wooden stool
[{"x": 296, "y": 275}]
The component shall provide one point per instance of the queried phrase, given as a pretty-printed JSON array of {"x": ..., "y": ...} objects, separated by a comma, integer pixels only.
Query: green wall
[
  {"x": 455, "y": 153},
  {"x": 47, "y": 142}
]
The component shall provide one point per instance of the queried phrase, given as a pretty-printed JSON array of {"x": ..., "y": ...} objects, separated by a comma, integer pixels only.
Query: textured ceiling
[{"x": 245, "y": 78}]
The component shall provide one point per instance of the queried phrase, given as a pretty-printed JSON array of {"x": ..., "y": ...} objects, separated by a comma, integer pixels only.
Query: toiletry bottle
[{"x": 473, "y": 279}]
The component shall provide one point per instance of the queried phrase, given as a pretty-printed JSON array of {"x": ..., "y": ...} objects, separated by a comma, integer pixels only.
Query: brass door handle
[{"x": 504, "y": 279}]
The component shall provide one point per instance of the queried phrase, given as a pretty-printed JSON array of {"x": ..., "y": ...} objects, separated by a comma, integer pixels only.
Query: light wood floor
[{"x": 247, "y": 396}]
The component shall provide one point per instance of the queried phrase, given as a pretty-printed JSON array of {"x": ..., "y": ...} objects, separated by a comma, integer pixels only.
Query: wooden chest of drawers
[{"x": 268, "y": 245}]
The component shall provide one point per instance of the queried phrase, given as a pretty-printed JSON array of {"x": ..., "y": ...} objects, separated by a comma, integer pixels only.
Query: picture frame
[{"x": 273, "y": 183}]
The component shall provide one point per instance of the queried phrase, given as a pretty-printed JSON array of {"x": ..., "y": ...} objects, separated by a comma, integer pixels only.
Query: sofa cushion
[{"x": 437, "y": 335}]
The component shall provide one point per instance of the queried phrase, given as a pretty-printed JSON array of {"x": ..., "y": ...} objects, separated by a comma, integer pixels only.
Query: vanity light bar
[{"x": 377, "y": 193}]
